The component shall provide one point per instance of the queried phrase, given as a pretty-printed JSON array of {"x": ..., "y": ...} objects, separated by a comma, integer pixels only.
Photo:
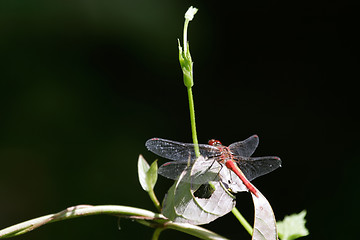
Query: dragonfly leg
[{"x": 218, "y": 174}]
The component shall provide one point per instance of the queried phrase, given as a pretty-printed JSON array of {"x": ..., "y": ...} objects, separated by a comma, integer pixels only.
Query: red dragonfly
[{"x": 235, "y": 157}]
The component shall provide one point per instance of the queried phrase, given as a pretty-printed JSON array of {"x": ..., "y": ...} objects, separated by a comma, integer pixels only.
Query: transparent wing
[
  {"x": 245, "y": 148},
  {"x": 256, "y": 167},
  {"x": 178, "y": 151},
  {"x": 201, "y": 171},
  {"x": 172, "y": 170}
]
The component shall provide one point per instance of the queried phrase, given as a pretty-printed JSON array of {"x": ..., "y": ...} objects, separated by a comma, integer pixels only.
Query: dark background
[{"x": 83, "y": 85}]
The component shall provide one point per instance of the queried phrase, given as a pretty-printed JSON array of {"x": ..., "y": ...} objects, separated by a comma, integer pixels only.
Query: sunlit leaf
[
  {"x": 293, "y": 226},
  {"x": 181, "y": 205},
  {"x": 264, "y": 222},
  {"x": 147, "y": 174}
]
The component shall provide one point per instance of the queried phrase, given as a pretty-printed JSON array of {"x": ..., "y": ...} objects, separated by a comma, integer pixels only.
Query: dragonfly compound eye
[{"x": 214, "y": 142}]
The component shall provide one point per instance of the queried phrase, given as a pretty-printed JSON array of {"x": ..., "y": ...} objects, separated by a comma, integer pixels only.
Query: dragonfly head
[{"x": 214, "y": 142}]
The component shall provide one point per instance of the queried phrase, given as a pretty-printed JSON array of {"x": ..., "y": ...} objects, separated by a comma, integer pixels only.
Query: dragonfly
[{"x": 236, "y": 157}]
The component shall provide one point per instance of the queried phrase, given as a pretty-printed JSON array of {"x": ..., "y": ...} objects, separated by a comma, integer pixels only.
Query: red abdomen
[{"x": 232, "y": 166}]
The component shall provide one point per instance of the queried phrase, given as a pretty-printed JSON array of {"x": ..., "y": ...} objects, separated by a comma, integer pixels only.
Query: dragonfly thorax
[{"x": 226, "y": 154}]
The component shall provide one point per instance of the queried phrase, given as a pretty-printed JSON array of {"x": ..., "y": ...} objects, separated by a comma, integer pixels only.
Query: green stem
[
  {"x": 242, "y": 220},
  {"x": 79, "y": 211},
  {"x": 186, "y": 24},
  {"x": 187, "y": 68},
  {"x": 156, "y": 233},
  {"x": 192, "y": 120},
  {"x": 143, "y": 216},
  {"x": 194, "y": 230},
  {"x": 154, "y": 199}
]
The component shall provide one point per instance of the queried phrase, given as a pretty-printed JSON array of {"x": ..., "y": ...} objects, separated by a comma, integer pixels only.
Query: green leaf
[
  {"x": 293, "y": 226},
  {"x": 151, "y": 176},
  {"x": 147, "y": 174}
]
